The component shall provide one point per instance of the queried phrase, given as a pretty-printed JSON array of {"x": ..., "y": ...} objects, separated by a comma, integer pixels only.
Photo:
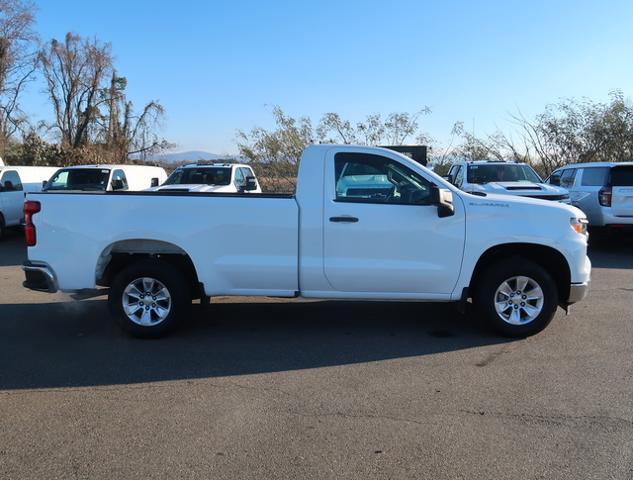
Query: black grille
[
  {"x": 524, "y": 188},
  {"x": 548, "y": 197}
]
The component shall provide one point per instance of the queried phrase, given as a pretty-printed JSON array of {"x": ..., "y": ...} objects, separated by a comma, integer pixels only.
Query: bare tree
[
  {"x": 76, "y": 72},
  {"x": 572, "y": 131},
  {"x": 124, "y": 132},
  {"x": 274, "y": 153},
  {"x": 17, "y": 62},
  {"x": 395, "y": 129}
]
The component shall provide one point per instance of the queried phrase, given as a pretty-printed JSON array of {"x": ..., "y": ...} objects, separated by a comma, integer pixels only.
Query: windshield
[
  {"x": 502, "y": 172},
  {"x": 79, "y": 179},
  {"x": 200, "y": 176}
]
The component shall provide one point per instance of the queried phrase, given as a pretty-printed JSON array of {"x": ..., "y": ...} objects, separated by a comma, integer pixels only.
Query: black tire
[
  {"x": 173, "y": 279},
  {"x": 3, "y": 230},
  {"x": 495, "y": 275}
]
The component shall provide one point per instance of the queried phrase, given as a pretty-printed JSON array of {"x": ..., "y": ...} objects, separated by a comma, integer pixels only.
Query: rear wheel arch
[
  {"x": 547, "y": 257},
  {"x": 121, "y": 254}
]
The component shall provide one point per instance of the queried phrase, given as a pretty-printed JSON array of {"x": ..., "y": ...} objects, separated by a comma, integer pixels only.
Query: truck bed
[{"x": 240, "y": 244}]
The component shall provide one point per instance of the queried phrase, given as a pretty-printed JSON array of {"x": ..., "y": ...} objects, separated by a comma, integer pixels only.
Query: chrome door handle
[{"x": 344, "y": 219}]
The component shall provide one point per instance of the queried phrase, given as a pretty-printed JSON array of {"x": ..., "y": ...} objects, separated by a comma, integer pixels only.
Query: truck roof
[
  {"x": 493, "y": 162},
  {"x": 108, "y": 166},
  {"x": 212, "y": 164},
  {"x": 597, "y": 164}
]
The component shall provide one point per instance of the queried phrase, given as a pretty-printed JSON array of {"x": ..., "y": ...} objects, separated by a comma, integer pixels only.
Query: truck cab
[{"x": 210, "y": 178}]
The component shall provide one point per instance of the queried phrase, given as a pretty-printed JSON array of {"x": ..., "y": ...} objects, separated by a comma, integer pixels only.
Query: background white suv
[
  {"x": 506, "y": 178},
  {"x": 603, "y": 190}
]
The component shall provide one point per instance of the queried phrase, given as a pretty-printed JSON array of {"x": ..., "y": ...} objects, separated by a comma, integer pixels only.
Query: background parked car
[
  {"x": 105, "y": 178},
  {"x": 14, "y": 183},
  {"x": 603, "y": 190},
  {"x": 214, "y": 177},
  {"x": 506, "y": 178}
]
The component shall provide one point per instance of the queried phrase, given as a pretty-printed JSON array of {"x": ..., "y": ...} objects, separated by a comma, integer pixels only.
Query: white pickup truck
[
  {"x": 365, "y": 223},
  {"x": 211, "y": 178}
]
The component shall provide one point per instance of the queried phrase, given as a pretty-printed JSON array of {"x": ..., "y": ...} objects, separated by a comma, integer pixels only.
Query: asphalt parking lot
[{"x": 272, "y": 389}]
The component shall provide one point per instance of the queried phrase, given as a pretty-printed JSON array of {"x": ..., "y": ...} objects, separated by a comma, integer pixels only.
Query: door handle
[{"x": 344, "y": 219}]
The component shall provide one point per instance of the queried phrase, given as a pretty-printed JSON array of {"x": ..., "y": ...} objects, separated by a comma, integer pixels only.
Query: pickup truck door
[
  {"x": 381, "y": 232},
  {"x": 12, "y": 197}
]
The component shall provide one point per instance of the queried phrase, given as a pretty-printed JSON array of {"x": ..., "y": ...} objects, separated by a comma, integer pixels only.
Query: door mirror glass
[
  {"x": 117, "y": 184},
  {"x": 443, "y": 198},
  {"x": 154, "y": 182}
]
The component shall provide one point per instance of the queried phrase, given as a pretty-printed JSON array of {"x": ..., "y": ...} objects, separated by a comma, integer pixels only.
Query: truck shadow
[
  {"x": 12, "y": 248},
  {"x": 75, "y": 344},
  {"x": 615, "y": 251}
]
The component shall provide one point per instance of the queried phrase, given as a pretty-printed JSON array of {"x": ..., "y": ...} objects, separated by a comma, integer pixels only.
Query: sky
[{"x": 220, "y": 66}]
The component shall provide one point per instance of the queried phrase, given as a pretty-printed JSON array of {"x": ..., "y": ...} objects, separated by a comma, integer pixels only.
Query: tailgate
[{"x": 622, "y": 188}]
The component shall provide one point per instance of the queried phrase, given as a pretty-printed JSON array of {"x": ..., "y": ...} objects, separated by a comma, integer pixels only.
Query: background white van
[
  {"x": 14, "y": 183},
  {"x": 106, "y": 178}
]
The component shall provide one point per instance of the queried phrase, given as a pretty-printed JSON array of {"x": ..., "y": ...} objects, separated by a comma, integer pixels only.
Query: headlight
[{"x": 579, "y": 225}]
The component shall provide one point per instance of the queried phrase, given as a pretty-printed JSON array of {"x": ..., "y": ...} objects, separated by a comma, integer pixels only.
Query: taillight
[
  {"x": 31, "y": 207},
  {"x": 604, "y": 196}
]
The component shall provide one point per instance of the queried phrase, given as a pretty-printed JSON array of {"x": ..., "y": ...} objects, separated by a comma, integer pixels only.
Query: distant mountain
[{"x": 192, "y": 155}]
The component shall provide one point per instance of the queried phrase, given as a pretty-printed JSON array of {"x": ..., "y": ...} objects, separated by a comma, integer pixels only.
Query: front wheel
[
  {"x": 517, "y": 297},
  {"x": 149, "y": 298}
]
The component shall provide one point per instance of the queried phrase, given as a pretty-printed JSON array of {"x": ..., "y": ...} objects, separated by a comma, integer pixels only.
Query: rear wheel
[
  {"x": 517, "y": 297},
  {"x": 149, "y": 298},
  {"x": 3, "y": 230}
]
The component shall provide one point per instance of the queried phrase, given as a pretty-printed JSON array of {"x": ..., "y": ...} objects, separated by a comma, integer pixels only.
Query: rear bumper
[
  {"x": 39, "y": 277},
  {"x": 578, "y": 292},
  {"x": 607, "y": 219}
]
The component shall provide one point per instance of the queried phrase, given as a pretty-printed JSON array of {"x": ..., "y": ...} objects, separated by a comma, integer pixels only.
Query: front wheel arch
[{"x": 548, "y": 258}]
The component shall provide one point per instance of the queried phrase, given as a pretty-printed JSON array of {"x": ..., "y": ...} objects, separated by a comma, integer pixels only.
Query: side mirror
[
  {"x": 443, "y": 198},
  {"x": 117, "y": 184},
  {"x": 154, "y": 182},
  {"x": 44, "y": 182},
  {"x": 251, "y": 184},
  {"x": 554, "y": 181},
  {"x": 448, "y": 178}
]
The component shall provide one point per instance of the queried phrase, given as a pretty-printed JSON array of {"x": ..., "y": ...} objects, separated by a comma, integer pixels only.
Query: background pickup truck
[
  {"x": 365, "y": 223},
  {"x": 209, "y": 178}
]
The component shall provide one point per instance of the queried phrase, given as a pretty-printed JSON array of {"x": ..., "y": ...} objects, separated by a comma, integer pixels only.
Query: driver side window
[
  {"x": 459, "y": 177},
  {"x": 366, "y": 178},
  {"x": 11, "y": 182},
  {"x": 119, "y": 180}
]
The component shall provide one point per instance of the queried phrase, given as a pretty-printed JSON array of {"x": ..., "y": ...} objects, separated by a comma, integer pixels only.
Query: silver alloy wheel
[
  {"x": 146, "y": 301},
  {"x": 519, "y": 300}
]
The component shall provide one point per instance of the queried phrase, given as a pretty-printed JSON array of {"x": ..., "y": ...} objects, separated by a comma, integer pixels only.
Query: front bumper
[
  {"x": 578, "y": 292},
  {"x": 39, "y": 277}
]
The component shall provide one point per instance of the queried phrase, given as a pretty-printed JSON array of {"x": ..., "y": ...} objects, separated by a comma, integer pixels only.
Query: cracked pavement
[{"x": 267, "y": 389}]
